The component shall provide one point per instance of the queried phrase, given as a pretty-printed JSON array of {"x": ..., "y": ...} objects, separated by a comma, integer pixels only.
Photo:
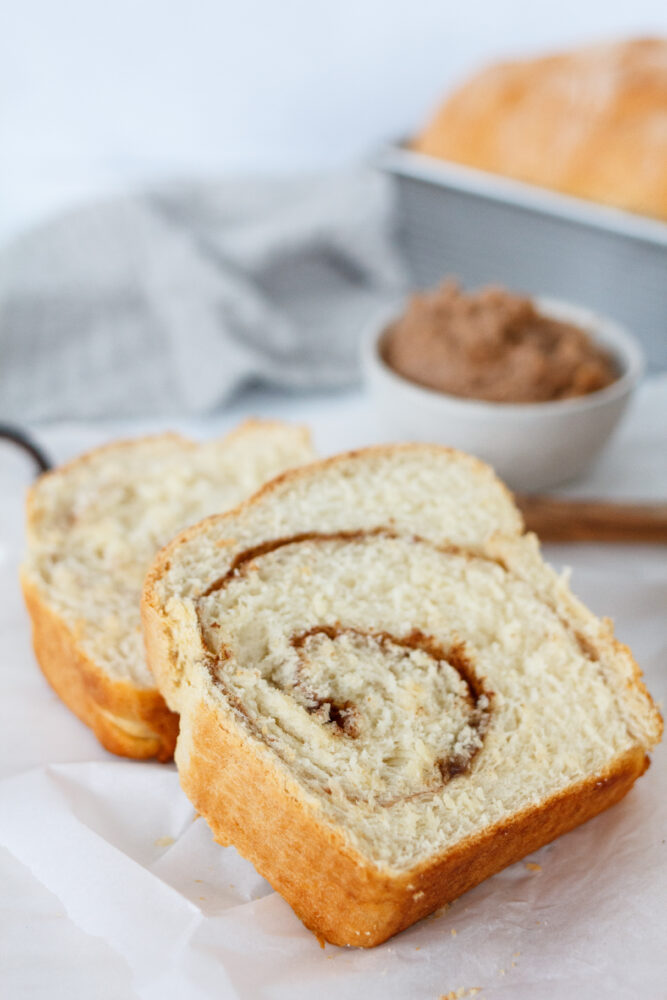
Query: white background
[{"x": 96, "y": 96}]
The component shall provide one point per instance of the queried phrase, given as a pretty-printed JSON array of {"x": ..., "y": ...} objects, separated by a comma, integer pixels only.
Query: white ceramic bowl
[{"x": 532, "y": 446}]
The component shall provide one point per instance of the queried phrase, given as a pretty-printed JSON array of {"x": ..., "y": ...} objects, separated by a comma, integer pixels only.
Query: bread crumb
[
  {"x": 164, "y": 841},
  {"x": 516, "y": 954},
  {"x": 532, "y": 867},
  {"x": 454, "y": 932},
  {"x": 199, "y": 880}
]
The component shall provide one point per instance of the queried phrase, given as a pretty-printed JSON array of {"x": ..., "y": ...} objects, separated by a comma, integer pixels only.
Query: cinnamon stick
[{"x": 558, "y": 519}]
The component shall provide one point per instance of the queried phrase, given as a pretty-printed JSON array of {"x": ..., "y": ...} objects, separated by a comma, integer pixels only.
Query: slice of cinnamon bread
[
  {"x": 385, "y": 694},
  {"x": 93, "y": 528}
]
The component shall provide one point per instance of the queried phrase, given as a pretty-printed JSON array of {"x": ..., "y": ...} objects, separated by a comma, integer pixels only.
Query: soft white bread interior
[
  {"x": 93, "y": 528},
  {"x": 385, "y": 694}
]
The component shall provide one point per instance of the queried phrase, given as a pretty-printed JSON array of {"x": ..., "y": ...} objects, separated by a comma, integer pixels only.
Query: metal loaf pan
[{"x": 484, "y": 228}]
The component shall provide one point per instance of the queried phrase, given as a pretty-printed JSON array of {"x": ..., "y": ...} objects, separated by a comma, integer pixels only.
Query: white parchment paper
[{"x": 111, "y": 886}]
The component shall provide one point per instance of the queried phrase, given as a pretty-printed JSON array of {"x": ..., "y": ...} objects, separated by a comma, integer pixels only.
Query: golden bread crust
[
  {"x": 336, "y": 893},
  {"x": 589, "y": 123},
  {"x": 127, "y": 720}
]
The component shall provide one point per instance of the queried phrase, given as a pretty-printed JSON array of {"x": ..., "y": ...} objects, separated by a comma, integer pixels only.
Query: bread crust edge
[
  {"x": 127, "y": 720},
  {"x": 336, "y": 892}
]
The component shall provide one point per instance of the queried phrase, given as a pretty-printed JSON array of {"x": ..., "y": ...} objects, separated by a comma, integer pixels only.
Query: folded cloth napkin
[{"x": 170, "y": 300}]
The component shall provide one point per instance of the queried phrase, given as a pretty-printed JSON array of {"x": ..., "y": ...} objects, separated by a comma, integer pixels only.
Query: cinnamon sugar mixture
[{"x": 495, "y": 346}]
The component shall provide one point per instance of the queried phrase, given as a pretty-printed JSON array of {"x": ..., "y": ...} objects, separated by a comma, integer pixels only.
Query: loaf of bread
[
  {"x": 93, "y": 528},
  {"x": 385, "y": 694},
  {"x": 590, "y": 123}
]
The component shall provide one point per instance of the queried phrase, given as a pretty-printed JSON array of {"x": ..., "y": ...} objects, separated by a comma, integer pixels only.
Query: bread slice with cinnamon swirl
[
  {"x": 385, "y": 694},
  {"x": 94, "y": 526}
]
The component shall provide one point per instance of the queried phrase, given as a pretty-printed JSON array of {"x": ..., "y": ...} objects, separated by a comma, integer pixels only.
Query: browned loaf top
[{"x": 590, "y": 123}]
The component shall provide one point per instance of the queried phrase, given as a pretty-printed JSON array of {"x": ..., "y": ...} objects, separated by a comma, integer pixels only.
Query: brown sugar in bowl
[
  {"x": 493, "y": 345},
  {"x": 532, "y": 446}
]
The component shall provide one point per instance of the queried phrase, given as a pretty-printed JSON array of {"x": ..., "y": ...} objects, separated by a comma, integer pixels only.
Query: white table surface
[{"x": 44, "y": 952}]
